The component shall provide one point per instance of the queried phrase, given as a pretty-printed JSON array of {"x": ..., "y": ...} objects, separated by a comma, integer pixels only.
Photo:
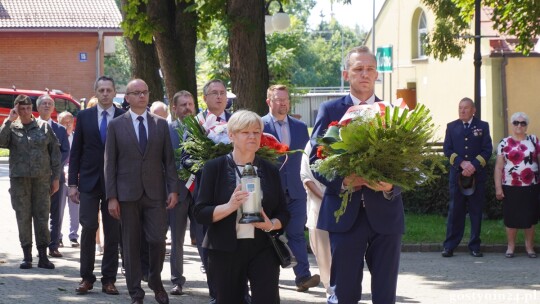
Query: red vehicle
[{"x": 62, "y": 102}]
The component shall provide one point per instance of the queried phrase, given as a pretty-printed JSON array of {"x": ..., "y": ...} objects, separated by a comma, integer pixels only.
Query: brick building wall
[{"x": 49, "y": 60}]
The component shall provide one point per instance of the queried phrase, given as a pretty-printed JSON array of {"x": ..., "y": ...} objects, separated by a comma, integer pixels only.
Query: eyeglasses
[
  {"x": 217, "y": 94},
  {"x": 139, "y": 93},
  {"x": 280, "y": 101},
  {"x": 517, "y": 123}
]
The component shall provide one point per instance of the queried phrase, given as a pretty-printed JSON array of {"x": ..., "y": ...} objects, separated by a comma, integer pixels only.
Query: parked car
[{"x": 62, "y": 101}]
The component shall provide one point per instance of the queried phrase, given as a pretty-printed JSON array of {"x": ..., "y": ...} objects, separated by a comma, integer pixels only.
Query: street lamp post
[
  {"x": 280, "y": 21},
  {"x": 477, "y": 59}
]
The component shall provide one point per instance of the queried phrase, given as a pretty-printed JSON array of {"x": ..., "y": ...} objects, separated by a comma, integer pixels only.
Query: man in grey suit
[{"x": 139, "y": 161}]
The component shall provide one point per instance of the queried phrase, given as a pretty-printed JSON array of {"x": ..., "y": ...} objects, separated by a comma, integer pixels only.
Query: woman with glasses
[{"x": 516, "y": 182}]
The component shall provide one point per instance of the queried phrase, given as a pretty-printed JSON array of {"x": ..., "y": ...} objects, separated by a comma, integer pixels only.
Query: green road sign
[{"x": 384, "y": 59}]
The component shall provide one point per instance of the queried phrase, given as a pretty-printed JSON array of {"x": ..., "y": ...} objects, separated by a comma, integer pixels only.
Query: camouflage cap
[{"x": 23, "y": 100}]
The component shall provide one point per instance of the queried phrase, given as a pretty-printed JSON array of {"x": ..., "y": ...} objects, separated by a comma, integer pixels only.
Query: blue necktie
[
  {"x": 466, "y": 125},
  {"x": 142, "y": 134},
  {"x": 103, "y": 126},
  {"x": 283, "y": 133}
]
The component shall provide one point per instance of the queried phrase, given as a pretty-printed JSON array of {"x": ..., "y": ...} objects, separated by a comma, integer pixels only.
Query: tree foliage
[
  {"x": 118, "y": 66},
  {"x": 453, "y": 26}
]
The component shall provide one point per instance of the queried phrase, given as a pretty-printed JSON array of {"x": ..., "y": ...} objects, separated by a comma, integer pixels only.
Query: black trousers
[
  {"x": 90, "y": 204},
  {"x": 230, "y": 271},
  {"x": 143, "y": 218}
]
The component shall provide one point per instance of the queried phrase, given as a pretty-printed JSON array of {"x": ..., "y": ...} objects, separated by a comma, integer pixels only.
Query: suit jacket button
[
  {"x": 466, "y": 156},
  {"x": 466, "y": 139}
]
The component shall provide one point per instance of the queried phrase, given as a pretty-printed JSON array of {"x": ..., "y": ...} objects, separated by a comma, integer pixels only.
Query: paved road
[{"x": 425, "y": 277}]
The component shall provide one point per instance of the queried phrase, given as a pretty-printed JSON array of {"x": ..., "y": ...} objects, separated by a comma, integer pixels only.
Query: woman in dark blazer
[{"x": 241, "y": 252}]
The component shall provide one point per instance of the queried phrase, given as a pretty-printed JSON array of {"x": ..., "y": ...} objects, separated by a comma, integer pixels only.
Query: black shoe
[
  {"x": 43, "y": 260},
  {"x": 27, "y": 261},
  {"x": 447, "y": 253},
  {"x": 177, "y": 290},
  {"x": 74, "y": 243},
  {"x": 476, "y": 254}
]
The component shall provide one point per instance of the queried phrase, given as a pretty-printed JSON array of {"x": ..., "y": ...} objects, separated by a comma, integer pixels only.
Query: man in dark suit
[
  {"x": 139, "y": 163},
  {"x": 294, "y": 133},
  {"x": 87, "y": 187},
  {"x": 468, "y": 146},
  {"x": 215, "y": 97},
  {"x": 182, "y": 105},
  {"x": 373, "y": 223},
  {"x": 45, "y": 107}
]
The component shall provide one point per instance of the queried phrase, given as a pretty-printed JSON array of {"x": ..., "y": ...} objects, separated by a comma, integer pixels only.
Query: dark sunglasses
[{"x": 522, "y": 123}]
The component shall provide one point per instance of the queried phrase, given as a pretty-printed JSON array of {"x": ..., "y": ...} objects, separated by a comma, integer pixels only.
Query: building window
[{"x": 422, "y": 34}]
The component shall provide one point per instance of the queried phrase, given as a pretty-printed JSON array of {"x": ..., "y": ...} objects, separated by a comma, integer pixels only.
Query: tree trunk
[
  {"x": 144, "y": 62},
  {"x": 175, "y": 42},
  {"x": 145, "y": 65},
  {"x": 247, "y": 50}
]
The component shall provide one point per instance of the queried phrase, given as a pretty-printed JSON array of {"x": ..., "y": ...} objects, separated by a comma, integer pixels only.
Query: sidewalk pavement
[{"x": 425, "y": 277}]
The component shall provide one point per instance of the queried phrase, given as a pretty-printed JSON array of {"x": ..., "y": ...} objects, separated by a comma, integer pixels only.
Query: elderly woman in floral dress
[{"x": 516, "y": 182}]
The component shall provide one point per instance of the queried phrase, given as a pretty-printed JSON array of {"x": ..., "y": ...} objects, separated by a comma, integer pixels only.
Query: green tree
[
  {"x": 454, "y": 17},
  {"x": 118, "y": 65}
]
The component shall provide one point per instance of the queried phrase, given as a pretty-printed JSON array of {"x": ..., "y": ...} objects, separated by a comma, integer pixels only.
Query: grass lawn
[
  {"x": 4, "y": 152},
  {"x": 420, "y": 228}
]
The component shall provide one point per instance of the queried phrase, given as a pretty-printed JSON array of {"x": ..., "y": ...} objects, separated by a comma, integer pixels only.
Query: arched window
[{"x": 422, "y": 34}]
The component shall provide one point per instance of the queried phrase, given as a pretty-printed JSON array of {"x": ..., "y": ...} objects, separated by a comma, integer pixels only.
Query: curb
[{"x": 431, "y": 247}]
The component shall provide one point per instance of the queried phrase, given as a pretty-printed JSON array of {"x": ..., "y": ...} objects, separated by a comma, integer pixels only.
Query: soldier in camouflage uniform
[{"x": 34, "y": 171}]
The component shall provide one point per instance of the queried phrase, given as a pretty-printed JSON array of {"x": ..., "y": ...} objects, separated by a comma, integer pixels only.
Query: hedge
[{"x": 433, "y": 198}]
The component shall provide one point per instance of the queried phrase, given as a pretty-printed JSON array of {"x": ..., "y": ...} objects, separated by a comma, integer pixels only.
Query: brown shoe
[
  {"x": 55, "y": 253},
  {"x": 161, "y": 297},
  {"x": 308, "y": 282},
  {"x": 84, "y": 287},
  {"x": 109, "y": 289}
]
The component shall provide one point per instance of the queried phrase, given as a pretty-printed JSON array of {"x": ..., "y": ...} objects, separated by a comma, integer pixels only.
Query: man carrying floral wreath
[{"x": 373, "y": 223}]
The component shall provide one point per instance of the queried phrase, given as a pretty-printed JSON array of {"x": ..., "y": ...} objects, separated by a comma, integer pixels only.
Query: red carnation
[
  {"x": 334, "y": 123},
  {"x": 268, "y": 140},
  {"x": 516, "y": 157},
  {"x": 527, "y": 176},
  {"x": 320, "y": 152}
]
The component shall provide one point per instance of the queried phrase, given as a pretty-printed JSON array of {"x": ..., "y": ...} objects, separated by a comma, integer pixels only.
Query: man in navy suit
[
  {"x": 87, "y": 187},
  {"x": 294, "y": 133},
  {"x": 373, "y": 223},
  {"x": 45, "y": 107},
  {"x": 468, "y": 146}
]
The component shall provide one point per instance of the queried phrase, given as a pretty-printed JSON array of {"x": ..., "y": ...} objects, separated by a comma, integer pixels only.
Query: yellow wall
[
  {"x": 439, "y": 85},
  {"x": 523, "y": 83}
]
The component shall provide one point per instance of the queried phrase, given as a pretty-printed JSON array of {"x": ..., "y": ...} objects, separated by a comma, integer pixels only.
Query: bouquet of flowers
[
  {"x": 208, "y": 139},
  {"x": 379, "y": 143}
]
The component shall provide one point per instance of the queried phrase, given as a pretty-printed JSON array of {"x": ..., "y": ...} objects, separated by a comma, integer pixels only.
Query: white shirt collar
[
  {"x": 134, "y": 115},
  {"x": 356, "y": 101},
  {"x": 275, "y": 120},
  {"x": 110, "y": 110}
]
